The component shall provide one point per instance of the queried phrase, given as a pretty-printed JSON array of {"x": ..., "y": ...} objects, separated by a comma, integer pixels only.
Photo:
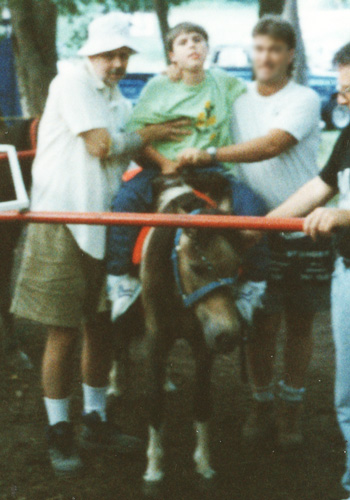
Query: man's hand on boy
[
  {"x": 323, "y": 221},
  {"x": 194, "y": 157},
  {"x": 169, "y": 167},
  {"x": 174, "y": 130}
]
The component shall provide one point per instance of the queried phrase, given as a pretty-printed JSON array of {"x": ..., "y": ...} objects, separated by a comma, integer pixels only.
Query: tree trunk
[
  {"x": 34, "y": 34},
  {"x": 270, "y": 7},
  {"x": 290, "y": 13},
  {"x": 162, "y": 10}
]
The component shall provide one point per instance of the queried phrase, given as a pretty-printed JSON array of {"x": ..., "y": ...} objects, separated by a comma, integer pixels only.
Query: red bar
[
  {"x": 22, "y": 155},
  {"x": 174, "y": 220}
]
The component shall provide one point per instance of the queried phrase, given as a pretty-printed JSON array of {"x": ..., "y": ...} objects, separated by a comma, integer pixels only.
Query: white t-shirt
[
  {"x": 65, "y": 176},
  {"x": 294, "y": 109}
]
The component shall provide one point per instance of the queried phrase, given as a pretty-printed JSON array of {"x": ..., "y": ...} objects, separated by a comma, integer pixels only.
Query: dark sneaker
[
  {"x": 63, "y": 452},
  {"x": 105, "y": 436},
  {"x": 260, "y": 424},
  {"x": 289, "y": 432}
]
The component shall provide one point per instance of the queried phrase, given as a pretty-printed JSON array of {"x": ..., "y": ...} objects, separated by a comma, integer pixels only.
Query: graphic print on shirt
[
  {"x": 344, "y": 188},
  {"x": 206, "y": 119}
]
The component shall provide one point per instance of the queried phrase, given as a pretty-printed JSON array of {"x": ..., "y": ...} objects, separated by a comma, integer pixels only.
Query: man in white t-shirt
[
  {"x": 82, "y": 152},
  {"x": 276, "y": 134}
]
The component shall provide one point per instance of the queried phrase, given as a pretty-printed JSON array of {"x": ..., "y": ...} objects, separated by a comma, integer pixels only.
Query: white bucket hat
[{"x": 106, "y": 33}]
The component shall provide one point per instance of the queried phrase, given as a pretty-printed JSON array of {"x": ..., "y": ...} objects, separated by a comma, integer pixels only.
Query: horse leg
[
  {"x": 154, "y": 472},
  {"x": 202, "y": 412},
  {"x": 119, "y": 376}
]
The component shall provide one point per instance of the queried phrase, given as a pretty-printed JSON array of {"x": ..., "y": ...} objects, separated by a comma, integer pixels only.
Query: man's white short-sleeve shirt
[
  {"x": 294, "y": 109},
  {"x": 65, "y": 176}
]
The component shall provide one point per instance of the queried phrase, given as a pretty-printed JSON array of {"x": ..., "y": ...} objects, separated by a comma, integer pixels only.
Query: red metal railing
[
  {"x": 174, "y": 220},
  {"x": 130, "y": 219}
]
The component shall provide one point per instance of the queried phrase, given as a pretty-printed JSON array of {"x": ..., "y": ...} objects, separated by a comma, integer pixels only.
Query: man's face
[
  {"x": 344, "y": 85},
  {"x": 111, "y": 66},
  {"x": 189, "y": 51},
  {"x": 271, "y": 59}
]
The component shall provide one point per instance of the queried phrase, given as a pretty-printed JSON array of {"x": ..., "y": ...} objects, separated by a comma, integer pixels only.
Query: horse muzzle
[{"x": 221, "y": 341}]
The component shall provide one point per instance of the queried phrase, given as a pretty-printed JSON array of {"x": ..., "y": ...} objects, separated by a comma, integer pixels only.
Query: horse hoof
[
  {"x": 169, "y": 386},
  {"x": 207, "y": 482},
  {"x": 153, "y": 489},
  {"x": 20, "y": 361},
  {"x": 114, "y": 392}
]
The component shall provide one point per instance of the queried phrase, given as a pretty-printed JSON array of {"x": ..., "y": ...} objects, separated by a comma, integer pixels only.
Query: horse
[{"x": 189, "y": 282}]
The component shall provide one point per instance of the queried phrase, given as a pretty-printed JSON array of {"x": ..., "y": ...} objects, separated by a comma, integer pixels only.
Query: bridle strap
[{"x": 190, "y": 299}]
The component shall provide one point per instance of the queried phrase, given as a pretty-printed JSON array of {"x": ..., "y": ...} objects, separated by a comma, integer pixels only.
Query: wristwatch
[{"x": 212, "y": 150}]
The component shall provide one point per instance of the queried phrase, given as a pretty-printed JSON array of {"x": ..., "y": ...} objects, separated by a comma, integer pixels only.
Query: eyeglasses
[{"x": 344, "y": 92}]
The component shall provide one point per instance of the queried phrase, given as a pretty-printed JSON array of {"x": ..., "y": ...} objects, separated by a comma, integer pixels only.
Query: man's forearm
[
  {"x": 313, "y": 194},
  {"x": 259, "y": 149}
]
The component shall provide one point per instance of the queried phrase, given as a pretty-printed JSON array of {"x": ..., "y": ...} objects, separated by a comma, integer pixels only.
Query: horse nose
[{"x": 225, "y": 342}]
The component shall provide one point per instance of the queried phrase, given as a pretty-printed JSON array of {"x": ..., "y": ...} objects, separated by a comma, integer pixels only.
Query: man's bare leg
[
  {"x": 298, "y": 347},
  {"x": 57, "y": 366},
  {"x": 261, "y": 356},
  {"x": 97, "y": 350},
  {"x": 57, "y": 374},
  {"x": 297, "y": 356},
  {"x": 262, "y": 349}
]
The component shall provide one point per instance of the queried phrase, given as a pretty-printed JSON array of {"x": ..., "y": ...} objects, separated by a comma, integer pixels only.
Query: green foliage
[{"x": 78, "y": 7}]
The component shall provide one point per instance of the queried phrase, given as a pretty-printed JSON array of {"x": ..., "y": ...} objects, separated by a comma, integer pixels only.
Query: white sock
[
  {"x": 57, "y": 410},
  {"x": 95, "y": 399},
  {"x": 264, "y": 394}
]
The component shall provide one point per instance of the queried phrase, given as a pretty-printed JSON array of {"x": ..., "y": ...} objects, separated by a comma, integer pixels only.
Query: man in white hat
[{"x": 82, "y": 153}]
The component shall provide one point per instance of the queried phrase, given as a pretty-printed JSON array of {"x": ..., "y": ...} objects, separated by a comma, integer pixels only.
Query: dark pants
[{"x": 136, "y": 195}]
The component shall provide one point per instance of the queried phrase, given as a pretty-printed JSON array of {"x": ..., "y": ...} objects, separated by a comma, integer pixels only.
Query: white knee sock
[
  {"x": 57, "y": 410},
  {"x": 290, "y": 394},
  {"x": 95, "y": 399},
  {"x": 264, "y": 394}
]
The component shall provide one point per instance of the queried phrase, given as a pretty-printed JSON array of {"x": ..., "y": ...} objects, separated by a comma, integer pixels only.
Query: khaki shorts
[{"x": 58, "y": 284}]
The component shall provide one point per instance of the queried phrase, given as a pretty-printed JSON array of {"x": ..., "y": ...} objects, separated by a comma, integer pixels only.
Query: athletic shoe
[
  {"x": 105, "y": 436},
  {"x": 122, "y": 292},
  {"x": 63, "y": 452},
  {"x": 249, "y": 299},
  {"x": 289, "y": 433}
]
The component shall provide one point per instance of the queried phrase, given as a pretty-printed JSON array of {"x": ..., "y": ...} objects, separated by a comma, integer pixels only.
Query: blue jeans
[
  {"x": 340, "y": 306},
  {"x": 136, "y": 195}
]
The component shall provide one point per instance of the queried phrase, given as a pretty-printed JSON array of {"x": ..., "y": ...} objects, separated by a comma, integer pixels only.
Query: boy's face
[
  {"x": 271, "y": 59},
  {"x": 189, "y": 51}
]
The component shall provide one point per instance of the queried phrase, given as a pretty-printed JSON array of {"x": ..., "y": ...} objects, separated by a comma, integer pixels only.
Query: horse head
[{"x": 207, "y": 275}]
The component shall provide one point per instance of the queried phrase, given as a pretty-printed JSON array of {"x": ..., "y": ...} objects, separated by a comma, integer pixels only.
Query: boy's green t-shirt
[{"x": 208, "y": 105}]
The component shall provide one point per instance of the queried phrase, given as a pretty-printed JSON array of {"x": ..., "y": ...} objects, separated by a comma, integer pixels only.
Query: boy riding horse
[{"x": 205, "y": 98}]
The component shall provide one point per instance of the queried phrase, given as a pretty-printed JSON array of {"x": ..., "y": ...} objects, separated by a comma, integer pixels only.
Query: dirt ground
[{"x": 260, "y": 473}]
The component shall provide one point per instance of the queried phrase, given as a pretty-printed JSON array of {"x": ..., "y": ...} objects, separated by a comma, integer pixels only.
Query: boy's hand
[
  {"x": 194, "y": 157},
  {"x": 174, "y": 130},
  {"x": 323, "y": 221},
  {"x": 173, "y": 72}
]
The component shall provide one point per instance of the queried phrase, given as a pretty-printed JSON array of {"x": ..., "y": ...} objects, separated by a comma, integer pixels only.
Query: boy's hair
[
  {"x": 181, "y": 28},
  {"x": 276, "y": 28},
  {"x": 342, "y": 57}
]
